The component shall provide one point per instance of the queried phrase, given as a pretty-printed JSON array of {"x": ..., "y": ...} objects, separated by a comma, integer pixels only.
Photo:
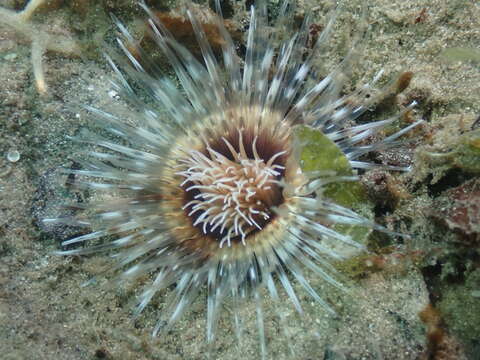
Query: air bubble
[{"x": 13, "y": 156}]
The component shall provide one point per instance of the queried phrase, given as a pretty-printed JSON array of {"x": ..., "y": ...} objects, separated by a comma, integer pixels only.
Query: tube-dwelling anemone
[{"x": 207, "y": 191}]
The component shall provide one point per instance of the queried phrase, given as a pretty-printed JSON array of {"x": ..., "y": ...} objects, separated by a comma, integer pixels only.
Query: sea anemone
[{"x": 207, "y": 191}]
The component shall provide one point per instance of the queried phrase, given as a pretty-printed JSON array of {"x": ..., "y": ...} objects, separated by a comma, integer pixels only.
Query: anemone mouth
[{"x": 232, "y": 180}]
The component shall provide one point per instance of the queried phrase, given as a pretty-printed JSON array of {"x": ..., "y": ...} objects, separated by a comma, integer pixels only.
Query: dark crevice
[{"x": 452, "y": 179}]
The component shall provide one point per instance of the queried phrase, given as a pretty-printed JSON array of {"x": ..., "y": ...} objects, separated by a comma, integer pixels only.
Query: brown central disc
[{"x": 232, "y": 185}]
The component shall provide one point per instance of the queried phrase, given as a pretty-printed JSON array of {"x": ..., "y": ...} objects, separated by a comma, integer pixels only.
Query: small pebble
[{"x": 13, "y": 156}]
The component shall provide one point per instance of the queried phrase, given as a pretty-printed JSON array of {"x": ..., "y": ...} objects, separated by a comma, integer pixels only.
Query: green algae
[
  {"x": 461, "y": 54},
  {"x": 358, "y": 267},
  {"x": 467, "y": 154},
  {"x": 320, "y": 155},
  {"x": 464, "y": 155}
]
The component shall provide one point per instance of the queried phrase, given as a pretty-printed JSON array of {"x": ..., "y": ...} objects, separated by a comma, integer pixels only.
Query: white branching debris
[{"x": 40, "y": 40}]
